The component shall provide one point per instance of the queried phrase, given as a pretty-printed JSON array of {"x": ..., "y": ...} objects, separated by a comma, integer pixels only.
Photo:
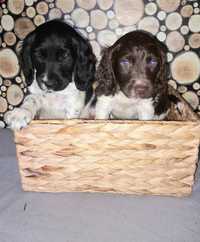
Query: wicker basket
[{"x": 132, "y": 157}]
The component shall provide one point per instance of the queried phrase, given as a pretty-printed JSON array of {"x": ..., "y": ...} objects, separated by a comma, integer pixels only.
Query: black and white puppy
[
  {"x": 131, "y": 80},
  {"x": 59, "y": 67}
]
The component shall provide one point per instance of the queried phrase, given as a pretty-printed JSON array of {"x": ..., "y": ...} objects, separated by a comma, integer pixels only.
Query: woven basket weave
[{"x": 131, "y": 157}]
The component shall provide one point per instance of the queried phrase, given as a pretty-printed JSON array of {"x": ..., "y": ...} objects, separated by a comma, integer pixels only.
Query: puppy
[
  {"x": 131, "y": 80},
  {"x": 59, "y": 67}
]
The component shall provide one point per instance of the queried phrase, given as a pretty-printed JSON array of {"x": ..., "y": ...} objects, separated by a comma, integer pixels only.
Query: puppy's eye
[
  {"x": 41, "y": 54},
  {"x": 151, "y": 61},
  {"x": 124, "y": 62},
  {"x": 65, "y": 54},
  {"x": 124, "y": 65}
]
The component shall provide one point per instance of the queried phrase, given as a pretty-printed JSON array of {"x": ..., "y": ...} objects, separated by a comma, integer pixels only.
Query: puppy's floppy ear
[
  {"x": 25, "y": 58},
  {"x": 85, "y": 64},
  {"x": 163, "y": 73},
  {"x": 105, "y": 77},
  {"x": 161, "y": 82}
]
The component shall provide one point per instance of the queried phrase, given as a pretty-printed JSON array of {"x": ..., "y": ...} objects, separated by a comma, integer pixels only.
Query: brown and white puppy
[{"x": 131, "y": 79}]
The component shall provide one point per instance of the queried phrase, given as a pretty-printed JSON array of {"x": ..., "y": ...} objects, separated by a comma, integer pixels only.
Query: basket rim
[{"x": 92, "y": 121}]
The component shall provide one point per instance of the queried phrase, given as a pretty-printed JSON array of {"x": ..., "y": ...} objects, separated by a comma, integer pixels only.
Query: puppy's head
[
  {"x": 137, "y": 64},
  {"x": 52, "y": 54}
]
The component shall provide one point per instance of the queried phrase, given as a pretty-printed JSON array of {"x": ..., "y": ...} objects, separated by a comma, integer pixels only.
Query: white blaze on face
[{"x": 44, "y": 80}]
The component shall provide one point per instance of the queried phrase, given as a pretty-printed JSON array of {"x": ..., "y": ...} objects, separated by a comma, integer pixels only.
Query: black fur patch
[{"x": 59, "y": 55}]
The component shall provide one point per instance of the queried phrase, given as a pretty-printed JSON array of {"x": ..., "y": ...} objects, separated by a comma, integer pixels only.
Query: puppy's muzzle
[
  {"x": 51, "y": 82},
  {"x": 141, "y": 90}
]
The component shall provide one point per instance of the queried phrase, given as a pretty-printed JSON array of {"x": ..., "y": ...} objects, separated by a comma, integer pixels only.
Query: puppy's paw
[{"x": 18, "y": 118}]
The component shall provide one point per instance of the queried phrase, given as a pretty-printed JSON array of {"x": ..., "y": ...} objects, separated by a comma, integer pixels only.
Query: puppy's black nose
[
  {"x": 52, "y": 81},
  {"x": 49, "y": 84}
]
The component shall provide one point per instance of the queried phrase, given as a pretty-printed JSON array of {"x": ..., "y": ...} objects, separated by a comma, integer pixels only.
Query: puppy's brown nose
[
  {"x": 141, "y": 90},
  {"x": 141, "y": 87}
]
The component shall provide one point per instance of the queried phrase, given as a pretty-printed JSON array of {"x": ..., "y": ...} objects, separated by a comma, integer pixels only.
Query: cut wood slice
[
  {"x": 187, "y": 11},
  {"x": 186, "y": 47},
  {"x": 42, "y": 8},
  {"x": 150, "y": 8},
  {"x": 191, "y": 98},
  {"x": 18, "y": 79},
  {"x": 65, "y": 6},
  {"x": 105, "y": 4},
  {"x": 185, "y": 30},
  {"x": 39, "y": 19},
  {"x": 169, "y": 57},
  {"x": 7, "y": 22},
  {"x": 110, "y": 14},
  {"x": 3, "y": 105},
  {"x": 9, "y": 38},
  {"x": 14, "y": 95},
  {"x": 9, "y": 65},
  {"x": 7, "y": 83},
  {"x": 168, "y": 5},
  {"x": 3, "y": 88},
  {"x": 106, "y": 38},
  {"x": 113, "y": 24},
  {"x": 196, "y": 86},
  {"x": 129, "y": 12},
  {"x": 194, "y": 41},
  {"x": 29, "y": 2},
  {"x": 80, "y": 17},
  {"x": 194, "y": 23},
  {"x": 15, "y": 7},
  {"x": 161, "y": 36},
  {"x": 182, "y": 89},
  {"x": 23, "y": 26},
  {"x": 161, "y": 15},
  {"x": 86, "y": 4},
  {"x": 173, "y": 21},
  {"x": 175, "y": 41},
  {"x": 30, "y": 12},
  {"x": 55, "y": 13},
  {"x": 186, "y": 68},
  {"x": 150, "y": 24},
  {"x": 3, "y": 44},
  {"x": 51, "y": 5},
  {"x": 98, "y": 19}
]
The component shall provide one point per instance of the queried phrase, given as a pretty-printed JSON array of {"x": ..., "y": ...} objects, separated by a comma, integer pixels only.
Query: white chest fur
[
  {"x": 134, "y": 108},
  {"x": 64, "y": 104},
  {"x": 121, "y": 107}
]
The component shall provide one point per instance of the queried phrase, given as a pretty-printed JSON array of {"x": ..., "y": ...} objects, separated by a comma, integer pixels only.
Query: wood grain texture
[{"x": 185, "y": 68}]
